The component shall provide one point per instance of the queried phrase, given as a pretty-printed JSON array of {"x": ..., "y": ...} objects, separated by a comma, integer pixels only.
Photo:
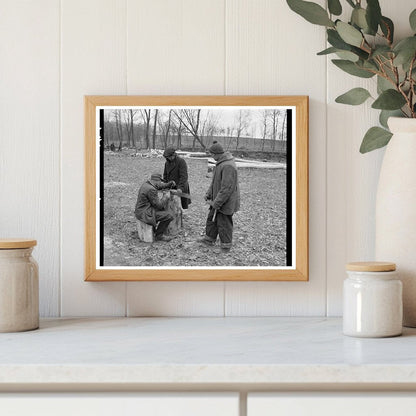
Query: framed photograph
[{"x": 196, "y": 188}]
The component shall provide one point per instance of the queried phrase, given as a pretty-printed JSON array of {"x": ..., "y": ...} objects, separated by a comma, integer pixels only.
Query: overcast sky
[{"x": 226, "y": 117}]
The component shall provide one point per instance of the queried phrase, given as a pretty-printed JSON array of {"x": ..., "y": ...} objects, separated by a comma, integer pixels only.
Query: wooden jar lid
[
  {"x": 371, "y": 266},
  {"x": 11, "y": 243}
]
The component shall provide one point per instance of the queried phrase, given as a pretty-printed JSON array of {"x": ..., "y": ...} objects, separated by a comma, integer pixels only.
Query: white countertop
[{"x": 255, "y": 353}]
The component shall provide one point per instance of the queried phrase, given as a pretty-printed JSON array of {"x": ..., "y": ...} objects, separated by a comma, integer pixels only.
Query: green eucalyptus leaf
[
  {"x": 386, "y": 114},
  {"x": 362, "y": 54},
  {"x": 373, "y": 15},
  {"x": 383, "y": 84},
  {"x": 334, "y": 7},
  {"x": 335, "y": 40},
  {"x": 348, "y": 56},
  {"x": 371, "y": 64},
  {"x": 356, "y": 96},
  {"x": 358, "y": 18},
  {"x": 328, "y": 51},
  {"x": 389, "y": 100},
  {"x": 412, "y": 20},
  {"x": 381, "y": 50},
  {"x": 311, "y": 12},
  {"x": 387, "y": 27},
  {"x": 375, "y": 138},
  {"x": 352, "y": 68},
  {"x": 405, "y": 51},
  {"x": 349, "y": 34}
]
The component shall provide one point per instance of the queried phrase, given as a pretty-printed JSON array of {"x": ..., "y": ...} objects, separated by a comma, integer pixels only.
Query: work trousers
[
  {"x": 163, "y": 218},
  {"x": 222, "y": 227}
]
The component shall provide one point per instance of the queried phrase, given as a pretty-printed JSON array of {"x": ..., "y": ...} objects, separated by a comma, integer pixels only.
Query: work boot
[
  {"x": 163, "y": 237},
  {"x": 225, "y": 248},
  {"x": 206, "y": 241}
]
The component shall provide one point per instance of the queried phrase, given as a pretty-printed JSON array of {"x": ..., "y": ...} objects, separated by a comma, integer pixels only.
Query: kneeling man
[{"x": 150, "y": 210}]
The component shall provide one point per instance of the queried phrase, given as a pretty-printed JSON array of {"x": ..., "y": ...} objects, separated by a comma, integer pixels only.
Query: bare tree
[
  {"x": 119, "y": 127},
  {"x": 284, "y": 127},
  {"x": 177, "y": 128},
  {"x": 274, "y": 120},
  {"x": 107, "y": 127},
  {"x": 165, "y": 126},
  {"x": 191, "y": 122},
  {"x": 242, "y": 121},
  {"x": 146, "y": 114},
  {"x": 129, "y": 118},
  {"x": 210, "y": 123},
  {"x": 264, "y": 117},
  {"x": 154, "y": 129}
]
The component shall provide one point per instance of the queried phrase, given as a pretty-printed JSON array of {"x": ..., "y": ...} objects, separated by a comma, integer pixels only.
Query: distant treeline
[{"x": 184, "y": 141}]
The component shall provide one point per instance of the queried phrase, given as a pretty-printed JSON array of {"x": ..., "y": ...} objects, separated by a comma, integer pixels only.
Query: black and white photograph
[{"x": 196, "y": 187}]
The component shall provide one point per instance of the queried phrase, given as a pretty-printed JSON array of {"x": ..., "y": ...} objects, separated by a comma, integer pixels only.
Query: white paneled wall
[
  {"x": 30, "y": 135},
  {"x": 55, "y": 52},
  {"x": 93, "y": 61}
]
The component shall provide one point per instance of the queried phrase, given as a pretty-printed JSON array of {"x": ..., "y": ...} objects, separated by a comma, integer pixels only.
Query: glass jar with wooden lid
[
  {"x": 19, "y": 286},
  {"x": 372, "y": 300}
]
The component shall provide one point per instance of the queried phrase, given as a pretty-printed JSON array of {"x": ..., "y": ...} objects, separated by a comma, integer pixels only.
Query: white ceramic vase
[{"x": 396, "y": 210}]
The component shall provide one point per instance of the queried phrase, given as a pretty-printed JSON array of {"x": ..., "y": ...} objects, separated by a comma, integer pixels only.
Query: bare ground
[{"x": 259, "y": 227}]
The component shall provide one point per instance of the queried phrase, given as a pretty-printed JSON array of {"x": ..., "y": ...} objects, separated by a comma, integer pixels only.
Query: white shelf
[{"x": 201, "y": 353}]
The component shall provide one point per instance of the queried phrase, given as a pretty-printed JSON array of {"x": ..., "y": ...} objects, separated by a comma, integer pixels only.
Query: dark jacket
[
  {"x": 147, "y": 204},
  {"x": 224, "y": 190},
  {"x": 177, "y": 171}
]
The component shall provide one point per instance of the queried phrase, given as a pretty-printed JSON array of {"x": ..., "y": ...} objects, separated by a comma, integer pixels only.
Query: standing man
[
  {"x": 176, "y": 170},
  {"x": 223, "y": 196},
  {"x": 150, "y": 210}
]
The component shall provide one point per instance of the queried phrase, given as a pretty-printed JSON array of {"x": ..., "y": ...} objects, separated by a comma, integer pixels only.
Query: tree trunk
[
  {"x": 154, "y": 130},
  {"x": 167, "y": 129},
  {"x": 179, "y": 135},
  {"x": 283, "y": 137},
  {"x": 274, "y": 130}
]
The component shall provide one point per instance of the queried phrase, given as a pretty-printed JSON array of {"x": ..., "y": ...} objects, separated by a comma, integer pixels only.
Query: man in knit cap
[
  {"x": 150, "y": 210},
  {"x": 223, "y": 196}
]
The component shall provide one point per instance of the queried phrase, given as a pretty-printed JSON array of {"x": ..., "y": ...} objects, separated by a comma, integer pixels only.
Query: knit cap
[{"x": 216, "y": 149}]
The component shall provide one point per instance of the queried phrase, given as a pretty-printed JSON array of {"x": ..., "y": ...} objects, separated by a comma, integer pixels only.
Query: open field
[{"x": 259, "y": 227}]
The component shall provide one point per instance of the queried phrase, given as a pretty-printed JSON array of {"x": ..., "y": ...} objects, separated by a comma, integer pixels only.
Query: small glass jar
[
  {"x": 372, "y": 300},
  {"x": 19, "y": 286}
]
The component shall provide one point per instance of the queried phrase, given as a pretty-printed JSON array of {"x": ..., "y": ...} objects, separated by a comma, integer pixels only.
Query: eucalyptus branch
[
  {"x": 412, "y": 83},
  {"x": 375, "y": 54},
  {"x": 406, "y": 97}
]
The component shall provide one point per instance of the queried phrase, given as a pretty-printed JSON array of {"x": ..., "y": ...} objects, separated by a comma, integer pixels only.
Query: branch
[
  {"x": 412, "y": 83},
  {"x": 183, "y": 123}
]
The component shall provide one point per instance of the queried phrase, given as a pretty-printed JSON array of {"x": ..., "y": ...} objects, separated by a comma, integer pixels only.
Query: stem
[
  {"x": 365, "y": 42},
  {"x": 412, "y": 83},
  {"x": 384, "y": 73},
  {"x": 406, "y": 97}
]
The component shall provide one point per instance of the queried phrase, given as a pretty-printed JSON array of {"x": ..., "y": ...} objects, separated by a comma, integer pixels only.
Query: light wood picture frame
[{"x": 115, "y": 169}]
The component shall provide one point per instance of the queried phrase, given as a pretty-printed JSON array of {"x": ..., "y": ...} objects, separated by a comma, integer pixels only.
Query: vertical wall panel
[
  {"x": 176, "y": 47},
  {"x": 353, "y": 177},
  {"x": 29, "y": 141},
  {"x": 271, "y": 50},
  {"x": 93, "y": 62}
]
